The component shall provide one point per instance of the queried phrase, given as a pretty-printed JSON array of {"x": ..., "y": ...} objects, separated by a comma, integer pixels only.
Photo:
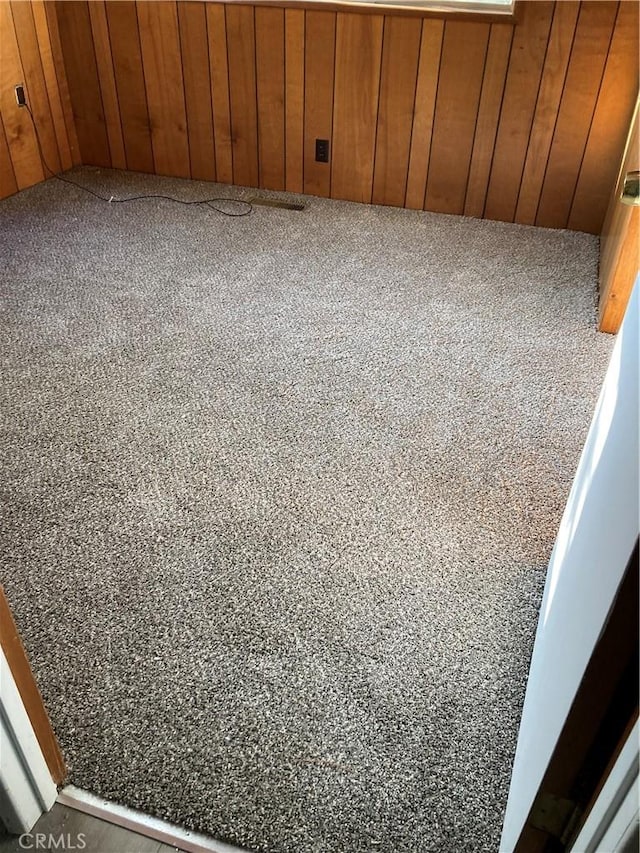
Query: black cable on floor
[{"x": 209, "y": 202}]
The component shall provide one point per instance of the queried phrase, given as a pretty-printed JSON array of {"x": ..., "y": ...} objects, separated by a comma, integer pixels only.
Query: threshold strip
[{"x": 143, "y": 824}]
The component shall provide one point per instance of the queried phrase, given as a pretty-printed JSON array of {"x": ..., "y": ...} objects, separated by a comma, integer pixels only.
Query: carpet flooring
[{"x": 278, "y": 498}]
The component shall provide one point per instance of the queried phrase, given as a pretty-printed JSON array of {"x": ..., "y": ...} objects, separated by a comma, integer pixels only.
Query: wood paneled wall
[
  {"x": 523, "y": 122},
  {"x": 30, "y": 53}
]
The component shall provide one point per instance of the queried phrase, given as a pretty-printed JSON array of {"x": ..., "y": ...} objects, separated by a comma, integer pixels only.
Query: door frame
[
  {"x": 27, "y": 788},
  {"x": 31, "y": 764},
  {"x": 614, "y": 816}
]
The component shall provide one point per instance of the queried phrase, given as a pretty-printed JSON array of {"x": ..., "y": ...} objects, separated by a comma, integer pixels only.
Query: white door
[{"x": 597, "y": 535}]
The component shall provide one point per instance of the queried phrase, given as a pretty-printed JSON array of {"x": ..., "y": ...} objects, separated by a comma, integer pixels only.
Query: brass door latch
[{"x": 631, "y": 188}]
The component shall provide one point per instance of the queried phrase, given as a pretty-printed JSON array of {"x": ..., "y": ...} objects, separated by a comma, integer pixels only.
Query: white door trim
[
  {"x": 615, "y": 812},
  {"x": 26, "y": 787}
]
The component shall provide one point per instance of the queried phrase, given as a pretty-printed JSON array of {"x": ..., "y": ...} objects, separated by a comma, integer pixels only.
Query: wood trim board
[{"x": 21, "y": 670}]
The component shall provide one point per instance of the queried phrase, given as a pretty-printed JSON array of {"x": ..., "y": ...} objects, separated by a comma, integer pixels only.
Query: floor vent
[{"x": 276, "y": 202}]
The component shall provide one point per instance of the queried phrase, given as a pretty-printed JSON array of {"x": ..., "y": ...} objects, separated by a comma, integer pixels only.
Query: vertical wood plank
[
  {"x": 521, "y": 92},
  {"x": 132, "y": 97},
  {"x": 294, "y": 24},
  {"x": 320, "y": 45},
  {"x": 219, "y": 70},
  {"x": 8, "y": 185},
  {"x": 84, "y": 87},
  {"x": 241, "y": 52},
  {"x": 270, "y": 73},
  {"x": 493, "y": 83},
  {"x": 610, "y": 124},
  {"x": 551, "y": 86},
  {"x": 161, "y": 60},
  {"x": 424, "y": 109},
  {"x": 21, "y": 139},
  {"x": 102, "y": 46},
  {"x": 63, "y": 86},
  {"x": 36, "y": 86},
  {"x": 461, "y": 70},
  {"x": 194, "y": 47},
  {"x": 51, "y": 81},
  {"x": 400, "y": 55},
  {"x": 586, "y": 67},
  {"x": 355, "y": 109}
]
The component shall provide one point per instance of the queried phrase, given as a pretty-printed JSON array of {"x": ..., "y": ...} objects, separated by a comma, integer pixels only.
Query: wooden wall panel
[
  {"x": 528, "y": 51},
  {"x": 8, "y": 183},
  {"x": 294, "y": 25},
  {"x": 241, "y": 52},
  {"x": 129, "y": 74},
  {"x": 521, "y": 121},
  {"x": 554, "y": 74},
  {"x": 52, "y": 86},
  {"x": 400, "y": 55},
  {"x": 28, "y": 169},
  {"x": 28, "y": 54},
  {"x": 84, "y": 86},
  {"x": 162, "y": 63},
  {"x": 107, "y": 83},
  {"x": 31, "y": 59},
  {"x": 424, "y": 109},
  {"x": 61, "y": 78},
  {"x": 355, "y": 105},
  {"x": 194, "y": 46},
  {"x": 464, "y": 51},
  {"x": 320, "y": 49},
  {"x": 493, "y": 82},
  {"x": 219, "y": 69},
  {"x": 579, "y": 100},
  {"x": 270, "y": 69},
  {"x": 600, "y": 162}
]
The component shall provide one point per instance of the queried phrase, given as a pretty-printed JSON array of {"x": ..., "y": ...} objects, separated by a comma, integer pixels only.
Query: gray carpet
[{"x": 279, "y": 494}]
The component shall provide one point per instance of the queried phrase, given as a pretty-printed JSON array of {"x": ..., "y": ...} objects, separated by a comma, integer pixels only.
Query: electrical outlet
[
  {"x": 322, "y": 150},
  {"x": 21, "y": 98}
]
